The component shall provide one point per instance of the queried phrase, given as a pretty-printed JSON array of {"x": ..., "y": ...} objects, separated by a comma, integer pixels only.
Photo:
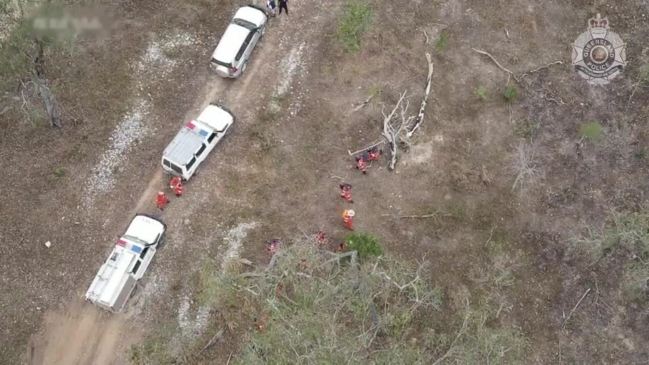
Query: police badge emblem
[{"x": 598, "y": 54}]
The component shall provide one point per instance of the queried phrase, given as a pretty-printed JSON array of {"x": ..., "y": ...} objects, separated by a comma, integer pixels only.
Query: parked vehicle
[
  {"x": 195, "y": 141},
  {"x": 127, "y": 263},
  {"x": 231, "y": 55}
]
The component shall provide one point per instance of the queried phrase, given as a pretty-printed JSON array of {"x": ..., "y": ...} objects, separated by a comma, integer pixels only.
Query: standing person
[
  {"x": 283, "y": 4},
  {"x": 348, "y": 216},
  {"x": 161, "y": 200},
  {"x": 346, "y": 192},
  {"x": 270, "y": 4},
  {"x": 361, "y": 164}
]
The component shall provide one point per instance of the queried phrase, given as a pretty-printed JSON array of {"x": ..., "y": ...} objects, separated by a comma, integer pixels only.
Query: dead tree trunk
[{"x": 391, "y": 130}]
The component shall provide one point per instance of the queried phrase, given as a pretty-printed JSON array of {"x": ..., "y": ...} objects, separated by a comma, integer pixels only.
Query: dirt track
[{"x": 82, "y": 333}]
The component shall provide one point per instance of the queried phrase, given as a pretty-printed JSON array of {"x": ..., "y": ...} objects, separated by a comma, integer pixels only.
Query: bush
[
  {"x": 481, "y": 92},
  {"x": 442, "y": 42},
  {"x": 591, "y": 131},
  {"x": 510, "y": 94},
  {"x": 365, "y": 244},
  {"x": 354, "y": 23}
]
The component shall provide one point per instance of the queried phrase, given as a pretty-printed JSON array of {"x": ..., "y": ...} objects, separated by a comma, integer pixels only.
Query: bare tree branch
[
  {"x": 575, "y": 308},
  {"x": 424, "y": 101}
]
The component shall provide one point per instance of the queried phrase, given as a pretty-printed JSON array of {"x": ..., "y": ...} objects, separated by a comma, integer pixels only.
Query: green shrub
[
  {"x": 591, "y": 131},
  {"x": 356, "y": 18},
  {"x": 442, "y": 42},
  {"x": 510, "y": 94},
  {"x": 481, "y": 92},
  {"x": 365, "y": 244},
  {"x": 59, "y": 172}
]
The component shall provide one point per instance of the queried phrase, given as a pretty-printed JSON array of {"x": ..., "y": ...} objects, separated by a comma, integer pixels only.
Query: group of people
[
  {"x": 176, "y": 186},
  {"x": 366, "y": 157},
  {"x": 372, "y": 154},
  {"x": 271, "y": 6}
]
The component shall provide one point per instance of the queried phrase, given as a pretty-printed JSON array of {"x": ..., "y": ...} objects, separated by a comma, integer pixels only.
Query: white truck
[
  {"x": 127, "y": 263},
  {"x": 195, "y": 141}
]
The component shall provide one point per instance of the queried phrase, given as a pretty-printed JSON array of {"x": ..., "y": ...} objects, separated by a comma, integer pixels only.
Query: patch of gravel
[
  {"x": 233, "y": 241},
  {"x": 191, "y": 327},
  {"x": 289, "y": 67},
  {"x": 130, "y": 130},
  {"x": 155, "y": 63},
  {"x": 159, "y": 56}
]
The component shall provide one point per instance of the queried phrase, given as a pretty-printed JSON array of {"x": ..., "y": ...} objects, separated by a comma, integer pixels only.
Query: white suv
[
  {"x": 230, "y": 57},
  {"x": 195, "y": 141}
]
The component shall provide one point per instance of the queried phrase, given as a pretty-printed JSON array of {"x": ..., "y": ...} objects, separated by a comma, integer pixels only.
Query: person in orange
[
  {"x": 176, "y": 185},
  {"x": 361, "y": 164},
  {"x": 321, "y": 239},
  {"x": 348, "y": 216},
  {"x": 346, "y": 192},
  {"x": 342, "y": 247},
  {"x": 374, "y": 153},
  {"x": 161, "y": 200}
]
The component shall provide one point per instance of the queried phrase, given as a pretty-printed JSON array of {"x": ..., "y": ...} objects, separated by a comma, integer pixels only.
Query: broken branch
[
  {"x": 366, "y": 148},
  {"x": 424, "y": 101},
  {"x": 496, "y": 62},
  {"x": 362, "y": 104},
  {"x": 575, "y": 308}
]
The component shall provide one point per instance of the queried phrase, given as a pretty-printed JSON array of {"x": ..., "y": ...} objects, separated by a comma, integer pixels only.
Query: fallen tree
[{"x": 398, "y": 127}]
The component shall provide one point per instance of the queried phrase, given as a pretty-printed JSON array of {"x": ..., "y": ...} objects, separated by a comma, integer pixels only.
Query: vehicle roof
[
  {"x": 230, "y": 43},
  {"x": 117, "y": 276},
  {"x": 251, "y": 14},
  {"x": 145, "y": 228},
  {"x": 190, "y": 137},
  {"x": 182, "y": 148}
]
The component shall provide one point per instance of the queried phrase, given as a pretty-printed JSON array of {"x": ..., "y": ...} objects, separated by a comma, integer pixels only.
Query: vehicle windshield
[
  {"x": 244, "y": 23},
  {"x": 135, "y": 239}
]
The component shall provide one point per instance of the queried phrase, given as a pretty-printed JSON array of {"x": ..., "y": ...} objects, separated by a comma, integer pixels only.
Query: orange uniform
[
  {"x": 361, "y": 164},
  {"x": 348, "y": 216},
  {"x": 161, "y": 200},
  {"x": 346, "y": 192},
  {"x": 176, "y": 185},
  {"x": 373, "y": 154}
]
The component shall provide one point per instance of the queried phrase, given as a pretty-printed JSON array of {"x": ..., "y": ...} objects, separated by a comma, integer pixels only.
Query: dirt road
[{"x": 82, "y": 334}]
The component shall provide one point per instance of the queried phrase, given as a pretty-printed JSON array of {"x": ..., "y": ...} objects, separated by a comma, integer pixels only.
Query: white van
[
  {"x": 195, "y": 141},
  {"x": 127, "y": 263},
  {"x": 231, "y": 55}
]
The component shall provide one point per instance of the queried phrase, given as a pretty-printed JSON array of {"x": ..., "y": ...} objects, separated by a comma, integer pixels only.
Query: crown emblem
[{"x": 598, "y": 22}]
